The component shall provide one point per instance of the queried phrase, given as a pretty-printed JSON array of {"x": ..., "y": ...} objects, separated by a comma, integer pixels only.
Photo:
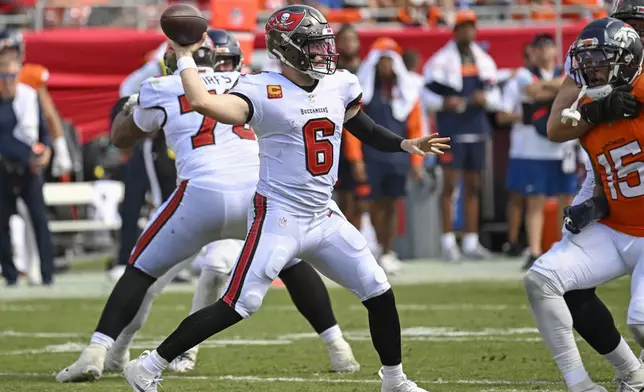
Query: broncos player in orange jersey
[
  {"x": 36, "y": 76},
  {"x": 606, "y": 60}
]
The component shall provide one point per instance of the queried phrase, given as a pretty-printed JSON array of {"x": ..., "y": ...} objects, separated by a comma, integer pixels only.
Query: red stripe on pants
[
  {"x": 247, "y": 253},
  {"x": 152, "y": 230}
]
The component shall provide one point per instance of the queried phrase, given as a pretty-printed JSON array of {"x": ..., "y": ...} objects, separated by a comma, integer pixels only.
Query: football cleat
[
  {"x": 88, "y": 367},
  {"x": 342, "y": 359},
  {"x": 634, "y": 381},
  {"x": 184, "y": 362},
  {"x": 402, "y": 385},
  {"x": 140, "y": 379}
]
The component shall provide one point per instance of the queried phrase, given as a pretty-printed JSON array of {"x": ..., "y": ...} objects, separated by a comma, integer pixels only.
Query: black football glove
[
  {"x": 581, "y": 215},
  {"x": 617, "y": 105}
]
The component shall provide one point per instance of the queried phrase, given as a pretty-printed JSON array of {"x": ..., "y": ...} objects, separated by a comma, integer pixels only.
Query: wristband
[{"x": 185, "y": 63}]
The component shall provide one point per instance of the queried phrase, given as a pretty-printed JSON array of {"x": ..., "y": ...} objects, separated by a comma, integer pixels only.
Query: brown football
[{"x": 183, "y": 23}]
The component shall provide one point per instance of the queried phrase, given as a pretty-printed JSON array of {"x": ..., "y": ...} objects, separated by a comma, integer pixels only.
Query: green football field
[{"x": 465, "y": 328}]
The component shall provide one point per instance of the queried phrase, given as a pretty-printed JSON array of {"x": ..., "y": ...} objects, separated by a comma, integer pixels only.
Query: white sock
[
  {"x": 393, "y": 372},
  {"x": 448, "y": 240},
  {"x": 102, "y": 339},
  {"x": 470, "y": 241},
  {"x": 623, "y": 359},
  {"x": 331, "y": 334},
  {"x": 153, "y": 363},
  {"x": 575, "y": 376}
]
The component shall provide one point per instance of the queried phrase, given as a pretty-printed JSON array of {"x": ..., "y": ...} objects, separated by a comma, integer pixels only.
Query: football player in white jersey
[
  {"x": 583, "y": 309},
  {"x": 217, "y": 167},
  {"x": 298, "y": 116}
]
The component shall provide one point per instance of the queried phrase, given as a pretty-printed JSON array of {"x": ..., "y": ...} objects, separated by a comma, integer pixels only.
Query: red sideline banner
[{"x": 87, "y": 66}]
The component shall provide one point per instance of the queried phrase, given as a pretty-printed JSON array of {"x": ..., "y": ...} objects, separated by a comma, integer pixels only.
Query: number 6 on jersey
[{"x": 318, "y": 151}]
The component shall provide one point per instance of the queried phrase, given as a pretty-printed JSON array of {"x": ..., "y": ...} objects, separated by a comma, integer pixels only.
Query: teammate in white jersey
[
  {"x": 583, "y": 309},
  {"x": 298, "y": 116},
  {"x": 217, "y": 166}
]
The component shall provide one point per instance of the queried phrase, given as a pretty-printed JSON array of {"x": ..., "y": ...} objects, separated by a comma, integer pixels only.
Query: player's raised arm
[
  {"x": 360, "y": 125},
  {"x": 226, "y": 109}
]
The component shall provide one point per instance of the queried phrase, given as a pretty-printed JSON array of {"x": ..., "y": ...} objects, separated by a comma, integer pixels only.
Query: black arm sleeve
[
  {"x": 118, "y": 106},
  {"x": 367, "y": 131}
]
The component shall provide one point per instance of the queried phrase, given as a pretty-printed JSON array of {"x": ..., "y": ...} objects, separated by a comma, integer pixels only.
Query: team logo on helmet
[
  {"x": 285, "y": 21},
  {"x": 626, "y": 34}
]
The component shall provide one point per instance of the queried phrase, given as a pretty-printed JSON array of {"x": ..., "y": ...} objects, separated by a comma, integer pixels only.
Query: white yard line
[
  {"x": 311, "y": 380},
  {"x": 520, "y": 390},
  {"x": 97, "y": 285},
  {"x": 15, "y": 307},
  {"x": 419, "y": 334}
]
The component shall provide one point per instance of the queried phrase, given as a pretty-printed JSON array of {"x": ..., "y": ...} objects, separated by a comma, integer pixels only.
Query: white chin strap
[
  {"x": 593, "y": 93},
  {"x": 572, "y": 113}
]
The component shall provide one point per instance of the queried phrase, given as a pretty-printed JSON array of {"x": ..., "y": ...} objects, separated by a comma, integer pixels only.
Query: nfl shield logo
[{"x": 282, "y": 222}]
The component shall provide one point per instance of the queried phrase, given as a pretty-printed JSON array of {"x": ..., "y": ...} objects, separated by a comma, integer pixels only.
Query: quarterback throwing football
[{"x": 298, "y": 116}]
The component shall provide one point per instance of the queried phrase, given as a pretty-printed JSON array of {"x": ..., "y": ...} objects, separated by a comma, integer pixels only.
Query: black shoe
[
  {"x": 529, "y": 262},
  {"x": 12, "y": 283},
  {"x": 512, "y": 250}
]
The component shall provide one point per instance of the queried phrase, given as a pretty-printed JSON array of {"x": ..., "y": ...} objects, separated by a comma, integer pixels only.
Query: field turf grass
[{"x": 472, "y": 336}]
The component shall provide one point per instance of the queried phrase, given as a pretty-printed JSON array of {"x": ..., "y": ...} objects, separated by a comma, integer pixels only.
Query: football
[{"x": 183, "y": 24}]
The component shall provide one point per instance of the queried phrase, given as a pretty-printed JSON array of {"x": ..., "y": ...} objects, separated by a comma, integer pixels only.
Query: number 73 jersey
[
  {"x": 616, "y": 152},
  {"x": 202, "y": 146},
  {"x": 299, "y": 131}
]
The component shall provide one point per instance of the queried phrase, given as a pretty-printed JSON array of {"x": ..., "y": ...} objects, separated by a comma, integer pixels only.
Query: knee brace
[
  {"x": 638, "y": 333},
  {"x": 251, "y": 300},
  {"x": 539, "y": 286},
  {"x": 373, "y": 280}
]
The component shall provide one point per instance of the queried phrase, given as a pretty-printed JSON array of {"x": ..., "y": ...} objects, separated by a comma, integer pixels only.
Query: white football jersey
[
  {"x": 202, "y": 146},
  {"x": 299, "y": 134}
]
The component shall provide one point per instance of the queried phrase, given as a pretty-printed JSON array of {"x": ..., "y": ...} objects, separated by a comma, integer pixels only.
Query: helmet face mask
[
  {"x": 301, "y": 38},
  {"x": 321, "y": 55},
  {"x": 204, "y": 57},
  {"x": 598, "y": 67},
  {"x": 228, "y": 54},
  {"x": 607, "y": 54}
]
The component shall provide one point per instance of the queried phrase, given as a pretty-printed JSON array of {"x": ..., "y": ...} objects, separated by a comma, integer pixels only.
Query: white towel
[
  {"x": 444, "y": 68},
  {"x": 405, "y": 93}
]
